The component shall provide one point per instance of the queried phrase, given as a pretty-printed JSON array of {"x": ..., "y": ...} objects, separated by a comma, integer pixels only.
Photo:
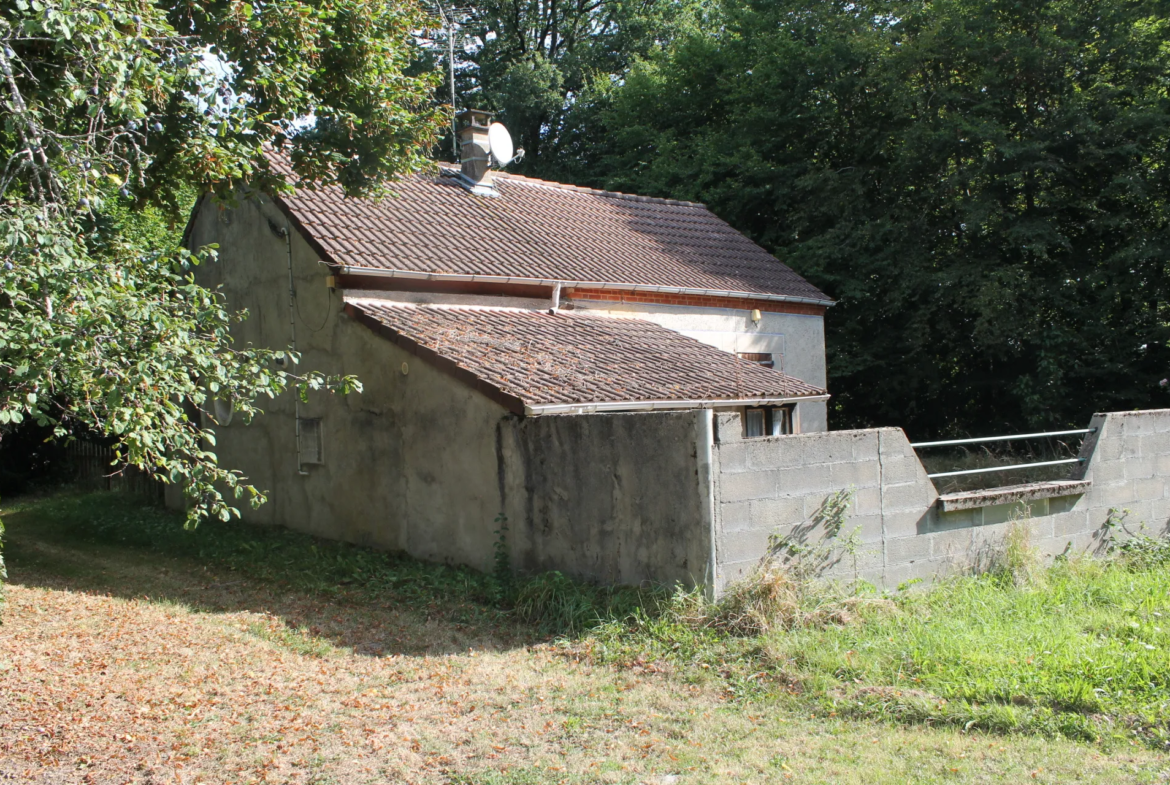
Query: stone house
[{"x": 548, "y": 352}]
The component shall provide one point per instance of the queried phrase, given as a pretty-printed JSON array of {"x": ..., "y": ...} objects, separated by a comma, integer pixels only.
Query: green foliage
[
  {"x": 1018, "y": 561},
  {"x": 556, "y": 604},
  {"x": 1144, "y": 553},
  {"x": 979, "y": 183},
  {"x": 116, "y": 115},
  {"x": 549, "y": 68},
  {"x": 808, "y": 549}
]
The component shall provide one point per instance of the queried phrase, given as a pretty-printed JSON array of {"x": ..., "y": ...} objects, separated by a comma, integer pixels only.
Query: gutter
[
  {"x": 654, "y": 406},
  {"x": 374, "y": 272}
]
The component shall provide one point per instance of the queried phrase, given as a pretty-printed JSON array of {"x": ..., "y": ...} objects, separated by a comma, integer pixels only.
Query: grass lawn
[{"x": 133, "y": 651}]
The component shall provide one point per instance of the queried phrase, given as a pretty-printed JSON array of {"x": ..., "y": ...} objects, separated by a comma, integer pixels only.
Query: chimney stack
[{"x": 474, "y": 151}]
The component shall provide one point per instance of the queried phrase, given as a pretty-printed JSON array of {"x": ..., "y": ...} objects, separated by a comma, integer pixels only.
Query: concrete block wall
[{"x": 769, "y": 490}]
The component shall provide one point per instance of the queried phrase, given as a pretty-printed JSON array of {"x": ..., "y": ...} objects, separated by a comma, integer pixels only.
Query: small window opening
[
  {"x": 767, "y": 421},
  {"x": 311, "y": 447},
  {"x": 761, "y": 358}
]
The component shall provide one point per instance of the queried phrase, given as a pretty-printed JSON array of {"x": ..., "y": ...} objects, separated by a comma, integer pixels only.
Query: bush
[{"x": 1143, "y": 553}]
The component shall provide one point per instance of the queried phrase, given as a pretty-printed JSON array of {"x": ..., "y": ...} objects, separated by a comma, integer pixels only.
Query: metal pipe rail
[
  {"x": 1006, "y": 468},
  {"x": 985, "y": 439}
]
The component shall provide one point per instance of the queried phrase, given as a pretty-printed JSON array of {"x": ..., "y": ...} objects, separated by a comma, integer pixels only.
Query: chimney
[{"x": 474, "y": 151}]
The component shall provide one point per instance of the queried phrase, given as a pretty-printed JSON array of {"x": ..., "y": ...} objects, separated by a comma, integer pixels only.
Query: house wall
[
  {"x": 410, "y": 463},
  {"x": 773, "y": 487},
  {"x": 616, "y": 498},
  {"x": 796, "y": 341},
  {"x": 422, "y": 463}
]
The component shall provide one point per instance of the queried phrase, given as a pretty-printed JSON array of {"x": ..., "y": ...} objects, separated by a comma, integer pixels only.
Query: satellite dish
[{"x": 500, "y": 142}]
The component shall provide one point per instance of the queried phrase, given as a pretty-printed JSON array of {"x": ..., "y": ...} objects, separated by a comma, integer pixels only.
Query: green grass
[
  {"x": 550, "y": 603},
  {"x": 1083, "y": 652}
]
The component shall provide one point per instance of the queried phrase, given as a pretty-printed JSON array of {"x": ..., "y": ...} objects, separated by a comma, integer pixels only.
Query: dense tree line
[
  {"x": 550, "y": 67},
  {"x": 981, "y": 184}
]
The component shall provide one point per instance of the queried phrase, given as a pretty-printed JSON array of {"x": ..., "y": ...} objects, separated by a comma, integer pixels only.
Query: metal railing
[{"x": 1017, "y": 437}]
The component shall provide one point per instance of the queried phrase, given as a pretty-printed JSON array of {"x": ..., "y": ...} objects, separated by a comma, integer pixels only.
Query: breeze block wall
[{"x": 772, "y": 490}]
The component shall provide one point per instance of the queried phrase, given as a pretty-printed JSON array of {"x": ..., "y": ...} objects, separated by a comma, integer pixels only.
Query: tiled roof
[
  {"x": 530, "y": 359},
  {"x": 540, "y": 230}
]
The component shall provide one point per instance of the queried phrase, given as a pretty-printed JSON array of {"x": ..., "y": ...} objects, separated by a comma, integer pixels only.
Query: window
[
  {"x": 763, "y": 358},
  {"x": 782, "y": 421},
  {"x": 310, "y": 446},
  {"x": 755, "y": 422},
  {"x": 767, "y": 421}
]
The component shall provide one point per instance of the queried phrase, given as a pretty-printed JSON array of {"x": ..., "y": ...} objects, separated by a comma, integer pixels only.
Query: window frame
[
  {"x": 773, "y": 425},
  {"x": 315, "y": 425}
]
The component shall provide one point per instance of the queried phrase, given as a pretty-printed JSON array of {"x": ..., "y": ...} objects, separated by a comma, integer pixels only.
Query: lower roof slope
[{"x": 538, "y": 362}]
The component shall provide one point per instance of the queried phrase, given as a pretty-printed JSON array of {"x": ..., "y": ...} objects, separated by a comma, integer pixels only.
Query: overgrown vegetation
[
  {"x": 288, "y": 678},
  {"x": 1080, "y": 649},
  {"x": 978, "y": 183}
]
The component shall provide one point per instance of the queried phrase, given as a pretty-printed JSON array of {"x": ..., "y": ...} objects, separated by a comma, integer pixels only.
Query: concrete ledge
[{"x": 1012, "y": 493}]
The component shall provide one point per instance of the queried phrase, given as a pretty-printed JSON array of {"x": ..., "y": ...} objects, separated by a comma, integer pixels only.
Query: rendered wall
[
  {"x": 775, "y": 486},
  {"x": 795, "y": 341},
  {"x": 410, "y": 463},
  {"x": 616, "y": 498},
  {"x": 422, "y": 463}
]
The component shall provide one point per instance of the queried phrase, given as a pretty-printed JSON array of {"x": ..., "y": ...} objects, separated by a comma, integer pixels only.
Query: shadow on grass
[{"x": 369, "y": 602}]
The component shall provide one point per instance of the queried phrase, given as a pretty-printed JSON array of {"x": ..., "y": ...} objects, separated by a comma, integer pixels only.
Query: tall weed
[{"x": 1018, "y": 561}]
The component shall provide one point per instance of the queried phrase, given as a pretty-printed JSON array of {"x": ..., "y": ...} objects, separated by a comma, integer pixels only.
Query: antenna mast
[{"x": 449, "y": 23}]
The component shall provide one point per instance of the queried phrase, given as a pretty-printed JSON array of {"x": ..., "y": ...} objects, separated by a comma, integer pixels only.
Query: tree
[
  {"x": 548, "y": 67},
  {"x": 980, "y": 183},
  {"x": 114, "y": 114}
]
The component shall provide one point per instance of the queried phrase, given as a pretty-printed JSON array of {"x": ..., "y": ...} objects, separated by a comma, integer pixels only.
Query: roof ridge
[
  {"x": 538, "y": 232},
  {"x": 448, "y": 170}
]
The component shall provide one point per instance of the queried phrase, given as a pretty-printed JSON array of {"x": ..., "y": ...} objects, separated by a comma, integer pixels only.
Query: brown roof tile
[
  {"x": 548, "y": 231},
  {"x": 536, "y": 358}
]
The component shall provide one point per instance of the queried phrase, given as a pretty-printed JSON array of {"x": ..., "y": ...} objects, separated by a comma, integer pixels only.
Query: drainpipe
[{"x": 704, "y": 452}]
